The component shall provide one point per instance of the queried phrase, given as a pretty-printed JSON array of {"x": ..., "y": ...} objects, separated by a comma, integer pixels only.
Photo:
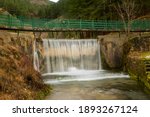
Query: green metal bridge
[{"x": 8, "y": 22}]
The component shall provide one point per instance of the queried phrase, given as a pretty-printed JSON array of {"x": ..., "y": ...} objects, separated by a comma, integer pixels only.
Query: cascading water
[
  {"x": 73, "y": 68},
  {"x": 36, "y": 58},
  {"x": 76, "y": 59},
  {"x": 68, "y": 55}
]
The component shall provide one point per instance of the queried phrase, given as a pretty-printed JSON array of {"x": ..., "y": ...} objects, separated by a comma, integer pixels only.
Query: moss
[
  {"x": 145, "y": 85},
  {"x": 133, "y": 76},
  {"x": 145, "y": 56},
  {"x": 44, "y": 92},
  {"x": 136, "y": 67}
]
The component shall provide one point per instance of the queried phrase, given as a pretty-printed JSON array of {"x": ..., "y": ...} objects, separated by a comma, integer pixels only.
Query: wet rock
[
  {"x": 136, "y": 67},
  {"x": 112, "y": 50},
  {"x": 137, "y": 61}
]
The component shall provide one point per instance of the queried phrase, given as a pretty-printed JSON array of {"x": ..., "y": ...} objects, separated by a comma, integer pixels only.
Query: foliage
[
  {"x": 145, "y": 7},
  {"x": 96, "y": 9},
  {"x": 86, "y": 9},
  {"x": 127, "y": 10},
  {"x": 16, "y": 7},
  {"x": 26, "y": 8},
  {"x": 49, "y": 11},
  {"x": 72, "y": 9}
]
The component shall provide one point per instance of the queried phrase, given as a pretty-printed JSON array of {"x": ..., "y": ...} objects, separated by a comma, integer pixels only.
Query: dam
[{"x": 74, "y": 70}]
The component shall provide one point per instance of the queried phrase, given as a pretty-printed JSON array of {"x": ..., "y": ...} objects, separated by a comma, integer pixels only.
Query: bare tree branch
[{"x": 127, "y": 10}]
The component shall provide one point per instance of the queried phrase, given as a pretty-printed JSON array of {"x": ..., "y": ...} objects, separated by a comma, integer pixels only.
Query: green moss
[
  {"x": 137, "y": 60},
  {"x": 136, "y": 67},
  {"x": 145, "y": 56},
  {"x": 133, "y": 76},
  {"x": 44, "y": 92}
]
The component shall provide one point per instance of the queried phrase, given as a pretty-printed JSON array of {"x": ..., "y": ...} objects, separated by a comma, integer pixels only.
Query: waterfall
[
  {"x": 36, "y": 58},
  {"x": 62, "y": 55}
]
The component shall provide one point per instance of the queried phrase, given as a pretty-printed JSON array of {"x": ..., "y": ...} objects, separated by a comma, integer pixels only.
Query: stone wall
[
  {"x": 130, "y": 55},
  {"x": 138, "y": 59},
  {"x": 111, "y": 47}
]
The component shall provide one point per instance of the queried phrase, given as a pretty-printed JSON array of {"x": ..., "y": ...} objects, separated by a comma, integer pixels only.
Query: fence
[{"x": 7, "y": 21}]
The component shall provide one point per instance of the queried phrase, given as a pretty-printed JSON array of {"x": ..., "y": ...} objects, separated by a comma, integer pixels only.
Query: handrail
[{"x": 7, "y": 21}]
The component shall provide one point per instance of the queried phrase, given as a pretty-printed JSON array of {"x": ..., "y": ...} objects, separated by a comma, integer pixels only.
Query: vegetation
[
  {"x": 86, "y": 9},
  {"x": 75, "y": 9},
  {"x": 127, "y": 10},
  {"x": 97, "y": 9},
  {"x": 27, "y": 8},
  {"x": 18, "y": 78},
  {"x": 16, "y": 7}
]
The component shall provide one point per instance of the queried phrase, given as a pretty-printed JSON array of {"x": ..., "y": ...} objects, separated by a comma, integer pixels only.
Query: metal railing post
[
  {"x": 80, "y": 24},
  {"x": 92, "y": 24},
  {"x": 20, "y": 22},
  {"x": 9, "y": 21}
]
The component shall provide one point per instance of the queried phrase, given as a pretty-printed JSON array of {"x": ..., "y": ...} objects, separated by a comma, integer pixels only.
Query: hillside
[
  {"x": 99, "y": 9},
  {"x": 18, "y": 78},
  {"x": 40, "y": 2},
  {"x": 72, "y": 9},
  {"x": 27, "y": 8}
]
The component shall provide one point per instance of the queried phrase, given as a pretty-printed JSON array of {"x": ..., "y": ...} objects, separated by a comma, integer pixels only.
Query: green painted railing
[{"x": 7, "y": 21}]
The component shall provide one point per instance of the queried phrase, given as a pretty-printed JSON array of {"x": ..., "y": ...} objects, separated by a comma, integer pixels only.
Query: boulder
[{"x": 111, "y": 47}]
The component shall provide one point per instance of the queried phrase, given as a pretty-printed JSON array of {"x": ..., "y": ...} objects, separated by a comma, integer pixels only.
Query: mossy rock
[{"x": 137, "y": 64}]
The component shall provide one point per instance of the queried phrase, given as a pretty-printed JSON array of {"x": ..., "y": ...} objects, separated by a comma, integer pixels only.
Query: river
[
  {"x": 94, "y": 85},
  {"x": 74, "y": 70}
]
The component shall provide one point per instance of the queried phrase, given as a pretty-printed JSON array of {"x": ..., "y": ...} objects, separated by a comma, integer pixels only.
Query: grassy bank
[{"x": 18, "y": 78}]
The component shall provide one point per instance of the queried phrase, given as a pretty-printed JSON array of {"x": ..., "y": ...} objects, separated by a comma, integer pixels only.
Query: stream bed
[{"x": 93, "y": 85}]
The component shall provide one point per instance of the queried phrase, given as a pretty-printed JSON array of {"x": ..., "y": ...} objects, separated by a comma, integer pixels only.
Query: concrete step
[
  {"x": 147, "y": 67},
  {"x": 147, "y": 62}
]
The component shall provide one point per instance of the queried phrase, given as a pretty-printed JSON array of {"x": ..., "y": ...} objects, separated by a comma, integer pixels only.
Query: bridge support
[
  {"x": 18, "y": 34},
  {"x": 69, "y": 34},
  {"x": 37, "y": 36}
]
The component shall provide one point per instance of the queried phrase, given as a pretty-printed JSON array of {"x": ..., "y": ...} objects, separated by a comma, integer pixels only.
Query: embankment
[
  {"x": 18, "y": 79},
  {"x": 131, "y": 55},
  {"x": 138, "y": 60}
]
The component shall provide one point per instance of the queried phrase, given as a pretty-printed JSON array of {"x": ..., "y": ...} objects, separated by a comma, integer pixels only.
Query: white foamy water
[
  {"x": 73, "y": 68},
  {"x": 62, "y": 55},
  {"x": 81, "y": 75},
  {"x": 71, "y": 60}
]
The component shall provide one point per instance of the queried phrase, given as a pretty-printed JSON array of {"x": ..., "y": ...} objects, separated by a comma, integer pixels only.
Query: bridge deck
[
  {"x": 67, "y": 30},
  {"x": 55, "y": 25}
]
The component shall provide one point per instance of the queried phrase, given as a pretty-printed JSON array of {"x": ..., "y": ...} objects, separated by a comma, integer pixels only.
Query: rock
[
  {"x": 112, "y": 50},
  {"x": 138, "y": 60},
  {"x": 136, "y": 67}
]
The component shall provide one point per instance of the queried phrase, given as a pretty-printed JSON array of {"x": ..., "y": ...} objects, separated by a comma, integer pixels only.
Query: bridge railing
[
  {"x": 85, "y": 24},
  {"x": 140, "y": 25},
  {"x": 8, "y": 21}
]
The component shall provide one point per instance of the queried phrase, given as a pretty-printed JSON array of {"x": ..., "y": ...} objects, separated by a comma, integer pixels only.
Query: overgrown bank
[
  {"x": 138, "y": 60},
  {"x": 18, "y": 79},
  {"x": 132, "y": 55}
]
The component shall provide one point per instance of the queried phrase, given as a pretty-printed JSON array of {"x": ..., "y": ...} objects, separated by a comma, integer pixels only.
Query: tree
[
  {"x": 127, "y": 10},
  {"x": 85, "y": 9}
]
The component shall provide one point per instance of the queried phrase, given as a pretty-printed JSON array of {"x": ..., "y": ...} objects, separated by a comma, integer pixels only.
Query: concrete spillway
[{"x": 67, "y": 55}]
